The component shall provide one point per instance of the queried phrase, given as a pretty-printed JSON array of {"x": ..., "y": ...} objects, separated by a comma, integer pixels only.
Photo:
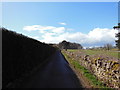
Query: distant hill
[{"x": 20, "y": 55}]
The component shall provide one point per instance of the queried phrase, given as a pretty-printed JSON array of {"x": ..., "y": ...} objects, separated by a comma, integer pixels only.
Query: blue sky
[{"x": 52, "y": 22}]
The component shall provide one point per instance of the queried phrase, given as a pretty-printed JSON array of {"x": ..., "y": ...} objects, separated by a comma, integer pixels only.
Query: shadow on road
[{"x": 56, "y": 73}]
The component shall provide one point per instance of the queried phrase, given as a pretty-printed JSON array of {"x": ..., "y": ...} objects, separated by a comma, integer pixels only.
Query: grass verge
[{"x": 94, "y": 82}]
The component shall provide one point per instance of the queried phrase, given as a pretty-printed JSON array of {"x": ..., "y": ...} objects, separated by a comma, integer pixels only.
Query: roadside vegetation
[
  {"x": 21, "y": 55},
  {"x": 94, "y": 82},
  {"x": 105, "y": 67}
]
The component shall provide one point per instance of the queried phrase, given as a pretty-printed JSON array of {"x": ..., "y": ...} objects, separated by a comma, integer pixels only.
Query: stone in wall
[{"x": 104, "y": 68}]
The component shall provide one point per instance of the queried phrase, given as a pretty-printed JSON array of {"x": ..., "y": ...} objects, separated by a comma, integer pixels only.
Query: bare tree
[{"x": 108, "y": 46}]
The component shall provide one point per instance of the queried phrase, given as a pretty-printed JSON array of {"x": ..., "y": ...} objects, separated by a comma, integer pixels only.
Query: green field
[
  {"x": 98, "y": 52},
  {"x": 72, "y": 50}
]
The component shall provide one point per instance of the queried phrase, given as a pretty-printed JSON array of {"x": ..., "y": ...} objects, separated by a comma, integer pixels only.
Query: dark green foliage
[
  {"x": 118, "y": 36},
  {"x": 64, "y": 44},
  {"x": 116, "y": 27},
  {"x": 118, "y": 41},
  {"x": 21, "y": 54},
  {"x": 68, "y": 45}
]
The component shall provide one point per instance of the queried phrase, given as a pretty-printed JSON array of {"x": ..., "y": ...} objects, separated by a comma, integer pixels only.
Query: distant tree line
[
  {"x": 68, "y": 45},
  {"x": 106, "y": 46},
  {"x": 20, "y": 55}
]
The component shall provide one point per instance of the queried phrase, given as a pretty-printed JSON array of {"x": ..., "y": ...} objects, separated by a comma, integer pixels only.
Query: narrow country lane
[{"x": 55, "y": 74}]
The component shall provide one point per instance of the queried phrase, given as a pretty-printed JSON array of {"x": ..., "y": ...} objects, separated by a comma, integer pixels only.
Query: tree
[
  {"x": 108, "y": 46},
  {"x": 118, "y": 41},
  {"x": 68, "y": 45},
  {"x": 64, "y": 45},
  {"x": 117, "y": 27},
  {"x": 118, "y": 36}
]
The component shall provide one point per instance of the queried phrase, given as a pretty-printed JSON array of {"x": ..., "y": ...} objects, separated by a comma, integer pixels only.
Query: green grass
[
  {"x": 86, "y": 73},
  {"x": 111, "y": 53},
  {"x": 72, "y": 50},
  {"x": 99, "y": 52}
]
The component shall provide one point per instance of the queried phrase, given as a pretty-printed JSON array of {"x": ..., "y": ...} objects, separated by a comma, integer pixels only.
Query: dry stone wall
[{"x": 106, "y": 69}]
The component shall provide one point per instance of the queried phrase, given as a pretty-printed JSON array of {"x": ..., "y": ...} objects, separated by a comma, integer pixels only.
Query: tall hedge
[{"x": 21, "y": 54}]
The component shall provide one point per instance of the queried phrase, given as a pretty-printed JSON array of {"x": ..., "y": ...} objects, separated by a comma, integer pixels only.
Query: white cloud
[
  {"x": 96, "y": 37},
  {"x": 62, "y": 23},
  {"x": 58, "y": 30},
  {"x": 32, "y": 28},
  {"x": 44, "y": 29},
  {"x": 38, "y": 27},
  {"x": 102, "y": 35}
]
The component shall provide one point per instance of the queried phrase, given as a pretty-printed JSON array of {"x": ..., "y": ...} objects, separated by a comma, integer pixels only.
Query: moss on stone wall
[{"x": 104, "y": 68}]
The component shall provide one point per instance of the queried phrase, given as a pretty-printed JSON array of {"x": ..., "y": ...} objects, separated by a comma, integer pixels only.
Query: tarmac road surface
[{"x": 55, "y": 74}]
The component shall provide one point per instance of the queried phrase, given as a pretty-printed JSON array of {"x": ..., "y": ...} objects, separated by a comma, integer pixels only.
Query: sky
[
  {"x": 60, "y": 0},
  {"x": 86, "y": 23}
]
